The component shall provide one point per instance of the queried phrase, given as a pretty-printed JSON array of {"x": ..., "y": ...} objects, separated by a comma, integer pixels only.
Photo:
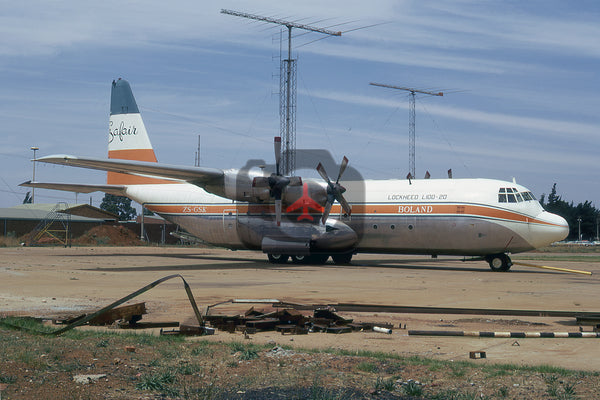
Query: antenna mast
[
  {"x": 411, "y": 120},
  {"x": 197, "y": 160},
  {"x": 287, "y": 90}
]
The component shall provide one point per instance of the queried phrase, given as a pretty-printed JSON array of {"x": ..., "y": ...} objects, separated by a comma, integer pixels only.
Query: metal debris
[
  {"x": 129, "y": 313},
  {"x": 477, "y": 354},
  {"x": 190, "y": 330},
  {"x": 286, "y": 321},
  {"x": 382, "y": 330}
]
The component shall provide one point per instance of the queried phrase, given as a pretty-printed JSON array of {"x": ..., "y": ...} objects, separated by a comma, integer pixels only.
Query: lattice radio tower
[
  {"x": 287, "y": 89},
  {"x": 411, "y": 121}
]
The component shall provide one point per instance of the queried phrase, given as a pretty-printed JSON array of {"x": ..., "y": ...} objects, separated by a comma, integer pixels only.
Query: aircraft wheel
[
  {"x": 278, "y": 258},
  {"x": 342, "y": 259},
  {"x": 314, "y": 259},
  {"x": 499, "y": 262},
  {"x": 299, "y": 259}
]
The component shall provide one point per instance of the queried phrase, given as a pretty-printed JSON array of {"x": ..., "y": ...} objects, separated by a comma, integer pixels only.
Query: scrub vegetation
[
  {"x": 583, "y": 215},
  {"x": 142, "y": 366}
]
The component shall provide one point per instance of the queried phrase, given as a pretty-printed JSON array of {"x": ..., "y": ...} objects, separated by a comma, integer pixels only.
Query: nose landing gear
[{"x": 499, "y": 262}]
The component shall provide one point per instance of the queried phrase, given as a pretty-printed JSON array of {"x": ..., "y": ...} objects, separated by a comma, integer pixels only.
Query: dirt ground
[{"x": 47, "y": 282}]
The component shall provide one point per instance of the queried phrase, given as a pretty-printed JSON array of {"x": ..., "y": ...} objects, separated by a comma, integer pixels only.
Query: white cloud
[{"x": 547, "y": 126}]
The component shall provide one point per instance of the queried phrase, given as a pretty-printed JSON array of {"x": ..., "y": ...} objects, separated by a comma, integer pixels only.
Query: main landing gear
[
  {"x": 499, "y": 262},
  {"x": 313, "y": 259}
]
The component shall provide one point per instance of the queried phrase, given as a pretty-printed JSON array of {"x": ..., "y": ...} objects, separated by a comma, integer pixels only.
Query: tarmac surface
[{"x": 49, "y": 282}]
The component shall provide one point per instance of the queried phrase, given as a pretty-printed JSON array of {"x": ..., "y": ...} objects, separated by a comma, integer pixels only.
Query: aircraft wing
[
  {"x": 199, "y": 176},
  {"x": 117, "y": 190}
]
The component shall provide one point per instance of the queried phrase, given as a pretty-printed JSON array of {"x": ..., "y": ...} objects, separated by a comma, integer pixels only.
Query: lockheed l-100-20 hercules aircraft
[{"x": 310, "y": 220}]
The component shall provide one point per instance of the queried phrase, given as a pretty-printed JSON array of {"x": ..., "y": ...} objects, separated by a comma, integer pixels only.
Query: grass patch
[
  {"x": 7, "y": 379},
  {"x": 27, "y": 324},
  {"x": 457, "y": 395},
  {"x": 366, "y": 366},
  {"x": 188, "y": 369},
  {"x": 247, "y": 351},
  {"x": 248, "y": 354},
  {"x": 412, "y": 388},
  {"x": 385, "y": 384},
  {"x": 159, "y": 382}
]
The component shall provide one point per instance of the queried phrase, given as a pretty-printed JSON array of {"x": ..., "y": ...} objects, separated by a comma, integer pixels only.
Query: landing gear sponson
[
  {"x": 499, "y": 262},
  {"x": 314, "y": 259}
]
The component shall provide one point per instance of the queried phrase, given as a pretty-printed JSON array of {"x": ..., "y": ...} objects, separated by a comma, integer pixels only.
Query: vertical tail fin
[{"x": 127, "y": 136}]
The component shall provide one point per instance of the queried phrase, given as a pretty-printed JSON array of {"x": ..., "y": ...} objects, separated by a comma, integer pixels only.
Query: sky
[{"x": 520, "y": 80}]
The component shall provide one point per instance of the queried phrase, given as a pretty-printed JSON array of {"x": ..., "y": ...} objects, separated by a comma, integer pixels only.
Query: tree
[
  {"x": 586, "y": 211},
  {"x": 119, "y": 205}
]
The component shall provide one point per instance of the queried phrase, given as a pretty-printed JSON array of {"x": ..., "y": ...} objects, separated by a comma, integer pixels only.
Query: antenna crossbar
[
  {"x": 407, "y": 89},
  {"x": 289, "y": 24},
  {"x": 411, "y": 120}
]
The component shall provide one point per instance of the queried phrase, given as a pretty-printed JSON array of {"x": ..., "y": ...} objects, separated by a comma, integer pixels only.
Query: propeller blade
[
  {"x": 342, "y": 168},
  {"x": 334, "y": 190},
  {"x": 278, "y": 211},
  {"x": 345, "y": 206},
  {"x": 323, "y": 173},
  {"x": 326, "y": 212}
]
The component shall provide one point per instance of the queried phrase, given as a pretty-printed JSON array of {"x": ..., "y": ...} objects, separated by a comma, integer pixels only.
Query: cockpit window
[
  {"x": 512, "y": 195},
  {"x": 519, "y": 198},
  {"x": 528, "y": 196}
]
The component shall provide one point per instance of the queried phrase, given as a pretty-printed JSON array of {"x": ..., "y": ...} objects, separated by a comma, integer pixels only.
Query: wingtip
[{"x": 56, "y": 158}]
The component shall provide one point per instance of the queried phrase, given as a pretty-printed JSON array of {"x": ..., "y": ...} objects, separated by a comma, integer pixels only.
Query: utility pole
[
  {"x": 287, "y": 89},
  {"x": 579, "y": 226},
  {"x": 197, "y": 160},
  {"x": 411, "y": 120},
  {"x": 34, "y": 148}
]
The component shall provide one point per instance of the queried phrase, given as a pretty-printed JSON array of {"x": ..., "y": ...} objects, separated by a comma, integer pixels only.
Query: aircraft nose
[{"x": 558, "y": 226}]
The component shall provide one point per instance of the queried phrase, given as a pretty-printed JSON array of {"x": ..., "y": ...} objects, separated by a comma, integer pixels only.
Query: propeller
[
  {"x": 276, "y": 182},
  {"x": 335, "y": 191}
]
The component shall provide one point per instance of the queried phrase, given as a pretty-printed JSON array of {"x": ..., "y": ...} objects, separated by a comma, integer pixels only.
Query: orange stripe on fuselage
[
  {"x": 442, "y": 209},
  {"x": 116, "y": 178},
  {"x": 371, "y": 210}
]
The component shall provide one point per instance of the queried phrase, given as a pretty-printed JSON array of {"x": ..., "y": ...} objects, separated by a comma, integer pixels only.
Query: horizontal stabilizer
[
  {"x": 116, "y": 190},
  {"x": 199, "y": 176}
]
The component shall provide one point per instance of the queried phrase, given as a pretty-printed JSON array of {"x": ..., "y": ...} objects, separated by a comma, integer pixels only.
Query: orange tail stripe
[{"x": 116, "y": 178}]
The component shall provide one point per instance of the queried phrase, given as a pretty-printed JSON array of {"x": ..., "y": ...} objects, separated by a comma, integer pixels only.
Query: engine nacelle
[{"x": 334, "y": 237}]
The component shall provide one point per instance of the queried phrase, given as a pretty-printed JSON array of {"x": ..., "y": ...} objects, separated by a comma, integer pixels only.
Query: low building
[{"x": 22, "y": 219}]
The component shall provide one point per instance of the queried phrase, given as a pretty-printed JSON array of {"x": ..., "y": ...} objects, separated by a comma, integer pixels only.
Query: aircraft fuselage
[{"x": 473, "y": 217}]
